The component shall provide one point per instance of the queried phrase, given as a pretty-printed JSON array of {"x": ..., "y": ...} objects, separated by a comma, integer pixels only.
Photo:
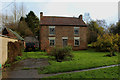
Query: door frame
[{"x": 66, "y": 39}]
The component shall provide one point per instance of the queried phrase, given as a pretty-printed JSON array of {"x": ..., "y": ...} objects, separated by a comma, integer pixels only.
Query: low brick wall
[{"x": 4, "y": 48}]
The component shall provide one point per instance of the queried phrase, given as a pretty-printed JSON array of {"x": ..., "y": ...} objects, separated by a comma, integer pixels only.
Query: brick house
[{"x": 62, "y": 31}]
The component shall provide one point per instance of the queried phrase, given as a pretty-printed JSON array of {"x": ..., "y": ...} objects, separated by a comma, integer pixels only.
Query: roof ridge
[
  {"x": 58, "y": 20},
  {"x": 59, "y": 17}
]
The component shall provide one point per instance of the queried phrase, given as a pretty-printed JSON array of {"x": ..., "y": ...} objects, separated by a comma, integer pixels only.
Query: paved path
[{"x": 18, "y": 72}]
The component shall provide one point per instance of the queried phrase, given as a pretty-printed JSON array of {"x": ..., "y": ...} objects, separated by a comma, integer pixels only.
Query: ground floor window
[
  {"x": 52, "y": 41},
  {"x": 76, "y": 41}
]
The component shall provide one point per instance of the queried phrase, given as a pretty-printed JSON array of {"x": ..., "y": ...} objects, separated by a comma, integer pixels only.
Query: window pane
[
  {"x": 52, "y": 42},
  {"x": 52, "y": 30},
  {"x": 76, "y": 30},
  {"x": 77, "y": 42}
]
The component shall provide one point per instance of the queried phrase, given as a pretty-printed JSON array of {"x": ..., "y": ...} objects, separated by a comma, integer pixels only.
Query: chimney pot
[
  {"x": 41, "y": 15},
  {"x": 81, "y": 17}
]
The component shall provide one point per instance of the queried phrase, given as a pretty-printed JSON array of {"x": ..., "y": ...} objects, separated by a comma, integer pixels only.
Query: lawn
[
  {"x": 36, "y": 54},
  {"x": 111, "y": 72},
  {"x": 83, "y": 59}
]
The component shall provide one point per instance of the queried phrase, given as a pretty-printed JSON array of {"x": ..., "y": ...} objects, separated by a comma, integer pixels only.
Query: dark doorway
[{"x": 64, "y": 42}]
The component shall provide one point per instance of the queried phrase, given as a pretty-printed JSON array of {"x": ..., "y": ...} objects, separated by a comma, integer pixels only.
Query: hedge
[{"x": 14, "y": 50}]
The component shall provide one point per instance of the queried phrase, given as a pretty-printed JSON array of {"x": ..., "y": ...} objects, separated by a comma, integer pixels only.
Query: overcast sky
[{"x": 98, "y": 10}]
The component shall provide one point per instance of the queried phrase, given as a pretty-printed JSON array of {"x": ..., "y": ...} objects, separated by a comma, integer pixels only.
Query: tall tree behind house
[
  {"x": 23, "y": 28},
  {"x": 33, "y": 22}
]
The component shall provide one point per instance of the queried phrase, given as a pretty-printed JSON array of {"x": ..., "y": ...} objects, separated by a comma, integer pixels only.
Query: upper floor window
[
  {"x": 52, "y": 30},
  {"x": 76, "y": 30}
]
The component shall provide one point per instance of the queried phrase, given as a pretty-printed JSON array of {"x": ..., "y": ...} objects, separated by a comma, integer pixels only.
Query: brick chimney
[
  {"x": 41, "y": 15},
  {"x": 81, "y": 17}
]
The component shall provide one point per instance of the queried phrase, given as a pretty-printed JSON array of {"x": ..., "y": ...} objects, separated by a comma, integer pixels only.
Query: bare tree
[
  {"x": 0, "y": 21},
  {"x": 14, "y": 11},
  {"x": 12, "y": 20},
  {"x": 22, "y": 9},
  {"x": 18, "y": 11}
]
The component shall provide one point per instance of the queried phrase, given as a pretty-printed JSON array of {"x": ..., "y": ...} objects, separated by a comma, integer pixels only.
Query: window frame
[
  {"x": 63, "y": 39},
  {"x": 51, "y": 38},
  {"x": 76, "y": 38},
  {"x": 77, "y": 28},
  {"x": 50, "y": 30}
]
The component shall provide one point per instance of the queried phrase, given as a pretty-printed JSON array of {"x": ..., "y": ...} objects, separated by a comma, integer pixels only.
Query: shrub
[
  {"x": 14, "y": 50},
  {"x": 107, "y": 42},
  {"x": 61, "y": 53}
]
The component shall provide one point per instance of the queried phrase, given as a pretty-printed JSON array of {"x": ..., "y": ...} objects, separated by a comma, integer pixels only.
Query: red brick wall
[{"x": 63, "y": 31}]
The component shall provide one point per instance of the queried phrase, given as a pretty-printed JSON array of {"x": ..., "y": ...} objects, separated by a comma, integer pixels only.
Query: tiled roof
[
  {"x": 12, "y": 34},
  {"x": 62, "y": 21},
  {"x": 30, "y": 39},
  {"x": 16, "y": 34}
]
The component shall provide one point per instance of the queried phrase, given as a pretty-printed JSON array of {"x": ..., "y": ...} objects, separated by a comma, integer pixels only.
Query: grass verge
[
  {"x": 38, "y": 54},
  {"x": 111, "y": 72}
]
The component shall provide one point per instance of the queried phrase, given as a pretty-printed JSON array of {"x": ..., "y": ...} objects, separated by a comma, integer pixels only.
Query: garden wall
[{"x": 4, "y": 48}]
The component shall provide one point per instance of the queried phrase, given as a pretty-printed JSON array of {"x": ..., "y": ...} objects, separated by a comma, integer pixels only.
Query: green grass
[
  {"x": 83, "y": 59},
  {"x": 26, "y": 55},
  {"x": 111, "y": 72}
]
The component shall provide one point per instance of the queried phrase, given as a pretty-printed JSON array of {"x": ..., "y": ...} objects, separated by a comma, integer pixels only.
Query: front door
[{"x": 64, "y": 42}]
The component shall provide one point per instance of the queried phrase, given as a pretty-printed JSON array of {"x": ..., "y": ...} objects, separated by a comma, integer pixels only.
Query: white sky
[
  {"x": 98, "y": 9},
  {"x": 61, "y": 0}
]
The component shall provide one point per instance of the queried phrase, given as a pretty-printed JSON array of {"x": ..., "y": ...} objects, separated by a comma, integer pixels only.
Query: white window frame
[
  {"x": 64, "y": 37},
  {"x": 76, "y": 38},
  {"x": 49, "y": 30},
  {"x": 51, "y": 38},
  {"x": 78, "y": 30}
]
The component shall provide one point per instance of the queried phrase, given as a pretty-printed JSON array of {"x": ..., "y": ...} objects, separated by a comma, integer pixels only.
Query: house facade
[{"x": 62, "y": 31}]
